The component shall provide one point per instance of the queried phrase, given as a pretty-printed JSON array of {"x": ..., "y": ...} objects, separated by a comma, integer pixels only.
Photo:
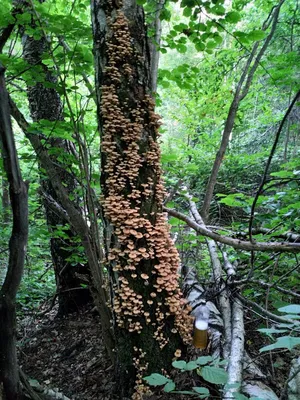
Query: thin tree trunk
[
  {"x": 5, "y": 200},
  {"x": 241, "y": 92},
  {"x": 78, "y": 223},
  {"x": 45, "y": 104},
  {"x": 141, "y": 258},
  {"x": 9, "y": 375}
]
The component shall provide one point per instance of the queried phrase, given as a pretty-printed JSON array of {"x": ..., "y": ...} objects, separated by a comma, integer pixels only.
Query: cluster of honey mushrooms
[{"x": 143, "y": 257}]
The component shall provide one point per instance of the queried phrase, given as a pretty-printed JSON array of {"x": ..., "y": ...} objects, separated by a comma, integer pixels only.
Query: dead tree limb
[{"x": 235, "y": 243}]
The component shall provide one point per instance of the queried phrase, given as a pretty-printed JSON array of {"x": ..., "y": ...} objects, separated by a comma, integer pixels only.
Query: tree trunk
[
  {"x": 75, "y": 218},
  {"x": 45, "y": 104},
  {"x": 5, "y": 200},
  {"x": 150, "y": 319},
  {"x": 9, "y": 375}
]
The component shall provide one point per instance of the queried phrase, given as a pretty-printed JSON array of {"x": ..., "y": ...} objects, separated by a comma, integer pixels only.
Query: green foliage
[
  {"x": 208, "y": 368},
  {"x": 291, "y": 312}
]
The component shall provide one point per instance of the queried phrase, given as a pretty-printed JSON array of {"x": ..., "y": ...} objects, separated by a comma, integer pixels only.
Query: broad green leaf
[
  {"x": 204, "y": 360},
  {"x": 199, "y": 46},
  {"x": 282, "y": 174},
  {"x": 291, "y": 309},
  {"x": 201, "y": 390},
  {"x": 218, "y": 10},
  {"x": 191, "y": 365},
  {"x": 165, "y": 14},
  {"x": 232, "y": 17},
  {"x": 169, "y": 387},
  {"x": 201, "y": 27},
  {"x": 214, "y": 375},
  {"x": 156, "y": 379},
  {"x": 211, "y": 44},
  {"x": 187, "y": 12},
  {"x": 181, "y": 48},
  {"x": 270, "y": 331},
  {"x": 284, "y": 342},
  {"x": 179, "y": 364},
  {"x": 256, "y": 35}
]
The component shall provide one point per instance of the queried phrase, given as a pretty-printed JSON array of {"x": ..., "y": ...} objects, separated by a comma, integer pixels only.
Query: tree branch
[
  {"x": 235, "y": 243},
  {"x": 266, "y": 285},
  {"x": 269, "y": 162},
  {"x": 264, "y": 313}
]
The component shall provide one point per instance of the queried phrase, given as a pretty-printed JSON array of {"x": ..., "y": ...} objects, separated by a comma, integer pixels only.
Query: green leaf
[
  {"x": 191, "y": 365},
  {"x": 169, "y": 387},
  {"x": 284, "y": 342},
  {"x": 201, "y": 27},
  {"x": 179, "y": 364},
  {"x": 218, "y": 10},
  {"x": 204, "y": 360},
  {"x": 232, "y": 17},
  {"x": 282, "y": 174},
  {"x": 199, "y": 46},
  {"x": 256, "y": 35},
  {"x": 201, "y": 390},
  {"x": 156, "y": 379},
  {"x": 181, "y": 48},
  {"x": 211, "y": 44},
  {"x": 270, "y": 331},
  {"x": 291, "y": 309},
  {"x": 165, "y": 15},
  {"x": 187, "y": 12},
  {"x": 214, "y": 375}
]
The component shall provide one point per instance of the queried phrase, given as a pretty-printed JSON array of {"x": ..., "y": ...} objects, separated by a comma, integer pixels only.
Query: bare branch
[
  {"x": 235, "y": 243},
  {"x": 264, "y": 313}
]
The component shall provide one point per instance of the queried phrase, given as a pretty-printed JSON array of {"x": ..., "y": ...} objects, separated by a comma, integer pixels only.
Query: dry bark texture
[{"x": 150, "y": 317}]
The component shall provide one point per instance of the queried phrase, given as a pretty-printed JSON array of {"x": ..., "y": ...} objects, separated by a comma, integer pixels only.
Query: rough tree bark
[
  {"x": 45, "y": 104},
  {"x": 5, "y": 199},
  {"x": 9, "y": 375},
  {"x": 149, "y": 318}
]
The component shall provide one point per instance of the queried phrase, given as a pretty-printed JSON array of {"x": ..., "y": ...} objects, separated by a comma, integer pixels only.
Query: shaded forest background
[{"x": 227, "y": 91}]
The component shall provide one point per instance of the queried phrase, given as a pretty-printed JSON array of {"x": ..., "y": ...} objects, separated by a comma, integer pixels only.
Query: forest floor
[{"x": 67, "y": 355}]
